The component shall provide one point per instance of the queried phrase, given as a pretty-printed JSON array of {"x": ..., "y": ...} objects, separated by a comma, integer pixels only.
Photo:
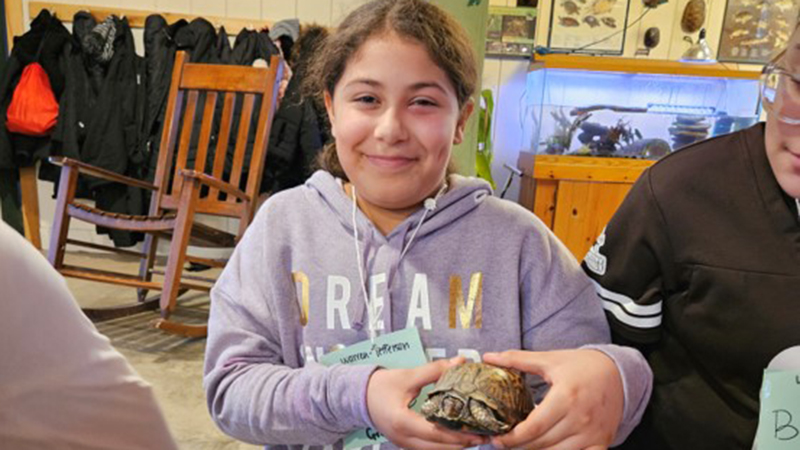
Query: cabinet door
[{"x": 582, "y": 211}]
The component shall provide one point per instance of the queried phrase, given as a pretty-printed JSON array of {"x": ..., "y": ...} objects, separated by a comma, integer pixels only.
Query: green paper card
[
  {"x": 399, "y": 350},
  {"x": 779, "y": 419}
]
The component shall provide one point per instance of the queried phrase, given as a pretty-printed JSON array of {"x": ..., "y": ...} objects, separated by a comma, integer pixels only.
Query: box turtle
[{"x": 479, "y": 398}]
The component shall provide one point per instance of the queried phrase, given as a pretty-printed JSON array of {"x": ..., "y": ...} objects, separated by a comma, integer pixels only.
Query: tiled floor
[{"x": 173, "y": 365}]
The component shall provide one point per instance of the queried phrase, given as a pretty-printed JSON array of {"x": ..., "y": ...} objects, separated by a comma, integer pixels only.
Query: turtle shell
[
  {"x": 502, "y": 391},
  {"x": 694, "y": 15}
]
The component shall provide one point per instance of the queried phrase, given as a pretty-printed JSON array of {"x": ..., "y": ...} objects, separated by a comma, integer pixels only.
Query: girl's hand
[
  {"x": 388, "y": 394},
  {"x": 583, "y": 407}
]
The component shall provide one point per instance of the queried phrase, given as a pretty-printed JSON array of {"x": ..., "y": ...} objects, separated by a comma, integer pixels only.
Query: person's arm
[
  {"x": 257, "y": 387},
  {"x": 62, "y": 384},
  {"x": 598, "y": 392},
  {"x": 632, "y": 266}
]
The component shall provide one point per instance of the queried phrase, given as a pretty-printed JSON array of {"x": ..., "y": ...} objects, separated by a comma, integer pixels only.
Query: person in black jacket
[{"x": 700, "y": 269}]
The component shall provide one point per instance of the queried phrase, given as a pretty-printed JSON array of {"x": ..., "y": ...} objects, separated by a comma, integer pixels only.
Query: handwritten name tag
[
  {"x": 399, "y": 350},
  {"x": 779, "y": 418}
]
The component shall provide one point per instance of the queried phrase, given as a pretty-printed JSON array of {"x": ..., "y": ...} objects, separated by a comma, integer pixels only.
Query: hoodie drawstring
[{"x": 374, "y": 312}]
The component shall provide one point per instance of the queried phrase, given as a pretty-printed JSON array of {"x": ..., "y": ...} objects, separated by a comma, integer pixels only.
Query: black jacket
[
  {"x": 700, "y": 269},
  {"x": 101, "y": 119},
  {"x": 300, "y": 127}
]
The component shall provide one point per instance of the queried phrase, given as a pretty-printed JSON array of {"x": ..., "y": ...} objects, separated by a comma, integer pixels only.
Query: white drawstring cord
[
  {"x": 373, "y": 311},
  {"x": 430, "y": 205},
  {"x": 372, "y": 314}
]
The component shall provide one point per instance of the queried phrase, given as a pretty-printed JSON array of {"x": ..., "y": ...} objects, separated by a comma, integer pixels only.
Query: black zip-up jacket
[{"x": 101, "y": 118}]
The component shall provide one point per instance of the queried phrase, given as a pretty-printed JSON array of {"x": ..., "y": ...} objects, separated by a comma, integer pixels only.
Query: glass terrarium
[{"x": 626, "y": 108}]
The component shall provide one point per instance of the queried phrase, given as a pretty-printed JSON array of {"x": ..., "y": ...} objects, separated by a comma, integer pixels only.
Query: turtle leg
[
  {"x": 431, "y": 405},
  {"x": 484, "y": 417}
]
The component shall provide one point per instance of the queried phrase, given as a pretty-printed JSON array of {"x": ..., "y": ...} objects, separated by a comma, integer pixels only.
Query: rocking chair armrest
[
  {"x": 216, "y": 183},
  {"x": 97, "y": 172}
]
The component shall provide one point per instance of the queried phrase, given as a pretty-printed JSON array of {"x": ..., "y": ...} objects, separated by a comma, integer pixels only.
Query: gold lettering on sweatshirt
[
  {"x": 300, "y": 277},
  {"x": 474, "y": 305}
]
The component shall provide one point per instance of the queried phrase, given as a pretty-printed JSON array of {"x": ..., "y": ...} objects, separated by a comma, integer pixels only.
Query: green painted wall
[{"x": 472, "y": 15}]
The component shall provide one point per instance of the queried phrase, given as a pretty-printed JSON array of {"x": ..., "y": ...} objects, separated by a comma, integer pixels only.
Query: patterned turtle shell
[{"x": 479, "y": 398}]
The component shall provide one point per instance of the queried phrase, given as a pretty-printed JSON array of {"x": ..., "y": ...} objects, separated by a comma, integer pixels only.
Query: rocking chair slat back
[{"x": 227, "y": 141}]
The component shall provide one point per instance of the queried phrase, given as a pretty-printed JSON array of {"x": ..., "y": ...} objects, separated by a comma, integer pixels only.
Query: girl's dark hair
[{"x": 445, "y": 40}]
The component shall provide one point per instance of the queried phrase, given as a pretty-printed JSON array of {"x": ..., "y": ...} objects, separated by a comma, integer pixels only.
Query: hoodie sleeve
[
  {"x": 257, "y": 387},
  {"x": 564, "y": 313}
]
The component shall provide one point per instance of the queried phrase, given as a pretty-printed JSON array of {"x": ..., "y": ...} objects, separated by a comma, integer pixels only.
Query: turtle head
[{"x": 452, "y": 407}]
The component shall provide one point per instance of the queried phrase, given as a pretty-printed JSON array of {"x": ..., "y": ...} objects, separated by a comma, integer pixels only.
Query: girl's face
[{"x": 395, "y": 117}]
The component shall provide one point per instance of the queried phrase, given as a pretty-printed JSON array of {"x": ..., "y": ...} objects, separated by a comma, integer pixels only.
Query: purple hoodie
[{"x": 481, "y": 274}]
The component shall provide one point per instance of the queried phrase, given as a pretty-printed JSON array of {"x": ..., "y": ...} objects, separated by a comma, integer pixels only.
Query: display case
[
  {"x": 634, "y": 108},
  {"x": 633, "y": 111}
]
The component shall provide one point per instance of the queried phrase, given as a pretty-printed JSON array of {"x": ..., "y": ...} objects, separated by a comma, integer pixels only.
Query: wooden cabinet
[{"x": 576, "y": 196}]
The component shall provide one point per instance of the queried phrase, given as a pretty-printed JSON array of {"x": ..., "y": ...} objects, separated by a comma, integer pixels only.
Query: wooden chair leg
[
  {"x": 147, "y": 262},
  {"x": 58, "y": 238},
  {"x": 190, "y": 193},
  {"x": 30, "y": 204}
]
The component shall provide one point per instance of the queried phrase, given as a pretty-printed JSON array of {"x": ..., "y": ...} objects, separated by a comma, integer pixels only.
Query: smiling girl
[{"x": 387, "y": 237}]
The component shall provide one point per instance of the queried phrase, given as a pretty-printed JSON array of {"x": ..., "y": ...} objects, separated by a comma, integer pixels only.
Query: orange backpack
[{"x": 33, "y": 110}]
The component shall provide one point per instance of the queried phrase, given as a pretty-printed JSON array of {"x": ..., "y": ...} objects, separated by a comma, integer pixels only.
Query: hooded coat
[{"x": 102, "y": 113}]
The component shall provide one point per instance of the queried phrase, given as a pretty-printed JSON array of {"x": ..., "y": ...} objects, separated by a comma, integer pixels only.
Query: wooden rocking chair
[{"x": 176, "y": 191}]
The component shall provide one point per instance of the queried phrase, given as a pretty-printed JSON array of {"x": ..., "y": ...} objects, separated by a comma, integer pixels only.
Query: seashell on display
[
  {"x": 694, "y": 15},
  {"x": 568, "y": 22}
]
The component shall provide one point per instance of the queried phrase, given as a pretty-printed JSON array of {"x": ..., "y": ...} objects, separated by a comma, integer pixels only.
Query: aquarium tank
[{"x": 633, "y": 115}]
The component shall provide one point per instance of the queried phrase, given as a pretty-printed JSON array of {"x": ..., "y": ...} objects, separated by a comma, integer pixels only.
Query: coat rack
[
  {"x": 65, "y": 12},
  {"x": 137, "y": 17}
]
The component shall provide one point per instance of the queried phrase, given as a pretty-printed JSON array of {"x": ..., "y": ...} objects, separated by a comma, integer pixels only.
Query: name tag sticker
[
  {"x": 399, "y": 350},
  {"x": 779, "y": 418}
]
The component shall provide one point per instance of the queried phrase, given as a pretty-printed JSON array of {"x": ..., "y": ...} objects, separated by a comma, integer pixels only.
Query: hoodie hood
[{"x": 462, "y": 197}]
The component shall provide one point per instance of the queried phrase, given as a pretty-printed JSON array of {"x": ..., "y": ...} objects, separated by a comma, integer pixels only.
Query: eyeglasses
[{"x": 780, "y": 93}]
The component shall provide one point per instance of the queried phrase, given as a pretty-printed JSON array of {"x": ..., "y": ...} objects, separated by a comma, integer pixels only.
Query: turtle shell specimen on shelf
[
  {"x": 479, "y": 398},
  {"x": 694, "y": 15}
]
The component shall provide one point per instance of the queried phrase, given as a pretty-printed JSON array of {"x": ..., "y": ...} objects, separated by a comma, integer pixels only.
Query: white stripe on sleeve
[
  {"x": 630, "y": 306},
  {"x": 624, "y": 317}
]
